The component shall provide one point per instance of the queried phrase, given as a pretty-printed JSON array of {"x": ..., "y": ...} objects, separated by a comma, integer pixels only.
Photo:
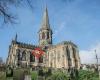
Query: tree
[{"x": 6, "y": 7}]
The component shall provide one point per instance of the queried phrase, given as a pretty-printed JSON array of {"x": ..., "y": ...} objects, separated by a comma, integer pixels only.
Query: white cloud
[{"x": 89, "y": 56}]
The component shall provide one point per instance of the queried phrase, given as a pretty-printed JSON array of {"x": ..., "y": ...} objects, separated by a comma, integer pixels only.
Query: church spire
[
  {"x": 45, "y": 32},
  {"x": 45, "y": 21}
]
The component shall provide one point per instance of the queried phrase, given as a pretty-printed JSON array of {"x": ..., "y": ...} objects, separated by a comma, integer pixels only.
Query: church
[{"x": 62, "y": 55}]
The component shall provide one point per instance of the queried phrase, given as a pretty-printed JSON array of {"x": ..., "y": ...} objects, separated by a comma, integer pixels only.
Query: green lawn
[{"x": 19, "y": 74}]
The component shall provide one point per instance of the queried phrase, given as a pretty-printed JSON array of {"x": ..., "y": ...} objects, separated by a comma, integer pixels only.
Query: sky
[{"x": 71, "y": 20}]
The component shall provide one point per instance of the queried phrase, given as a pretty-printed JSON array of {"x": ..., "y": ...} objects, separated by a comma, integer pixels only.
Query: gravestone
[
  {"x": 27, "y": 77},
  {"x": 9, "y": 72}
]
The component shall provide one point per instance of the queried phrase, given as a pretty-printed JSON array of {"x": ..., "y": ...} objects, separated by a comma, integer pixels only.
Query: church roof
[
  {"x": 24, "y": 45},
  {"x": 67, "y": 42}
]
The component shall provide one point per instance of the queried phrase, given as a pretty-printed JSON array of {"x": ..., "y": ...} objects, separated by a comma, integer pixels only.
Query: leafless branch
[{"x": 5, "y": 11}]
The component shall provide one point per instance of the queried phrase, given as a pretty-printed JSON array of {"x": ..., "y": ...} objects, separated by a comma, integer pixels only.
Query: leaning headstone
[
  {"x": 18, "y": 74},
  {"x": 27, "y": 77},
  {"x": 9, "y": 72}
]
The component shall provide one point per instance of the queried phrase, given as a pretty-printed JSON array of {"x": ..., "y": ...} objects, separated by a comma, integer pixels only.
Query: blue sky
[{"x": 75, "y": 20}]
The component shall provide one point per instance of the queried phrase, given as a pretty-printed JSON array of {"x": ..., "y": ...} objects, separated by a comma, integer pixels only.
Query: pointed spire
[
  {"x": 16, "y": 37},
  {"x": 45, "y": 21}
]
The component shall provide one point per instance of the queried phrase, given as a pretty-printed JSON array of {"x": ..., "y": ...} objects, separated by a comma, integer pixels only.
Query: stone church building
[{"x": 62, "y": 55}]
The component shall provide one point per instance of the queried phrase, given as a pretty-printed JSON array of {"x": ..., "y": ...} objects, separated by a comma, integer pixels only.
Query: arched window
[
  {"x": 32, "y": 57},
  {"x": 41, "y": 59},
  {"x": 68, "y": 53},
  {"x": 24, "y": 56},
  {"x": 68, "y": 56},
  {"x": 47, "y": 35},
  {"x": 43, "y": 35},
  {"x": 18, "y": 54},
  {"x": 74, "y": 53},
  {"x": 74, "y": 56}
]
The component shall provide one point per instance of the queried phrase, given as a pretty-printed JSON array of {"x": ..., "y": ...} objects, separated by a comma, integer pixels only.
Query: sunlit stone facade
[{"x": 62, "y": 55}]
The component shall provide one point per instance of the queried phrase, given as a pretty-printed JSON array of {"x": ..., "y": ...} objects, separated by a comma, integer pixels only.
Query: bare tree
[{"x": 5, "y": 9}]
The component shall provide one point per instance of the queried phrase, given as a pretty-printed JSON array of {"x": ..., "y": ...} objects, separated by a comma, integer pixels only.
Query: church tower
[{"x": 45, "y": 32}]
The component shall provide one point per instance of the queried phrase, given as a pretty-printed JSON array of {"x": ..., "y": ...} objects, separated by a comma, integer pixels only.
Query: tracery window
[
  {"x": 74, "y": 52},
  {"x": 24, "y": 56},
  {"x": 32, "y": 57},
  {"x": 74, "y": 56},
  {"x": 18, "y": 54},
  {"x": 18, "y": 57},
  {"x": 68, "y": 56},
  {"x": 68, "y": 53}
]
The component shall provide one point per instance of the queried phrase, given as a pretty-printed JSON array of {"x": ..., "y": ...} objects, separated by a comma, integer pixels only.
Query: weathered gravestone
[{"x": 27, "y": 77}]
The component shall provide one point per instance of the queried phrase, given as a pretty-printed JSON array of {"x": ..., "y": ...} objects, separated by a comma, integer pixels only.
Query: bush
[
  {"x": 88, "y": 75},
  {"x": 34, "y": 75},
  {"x": 40, "y": 72},
  {"x": 58, "y": 76}
]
